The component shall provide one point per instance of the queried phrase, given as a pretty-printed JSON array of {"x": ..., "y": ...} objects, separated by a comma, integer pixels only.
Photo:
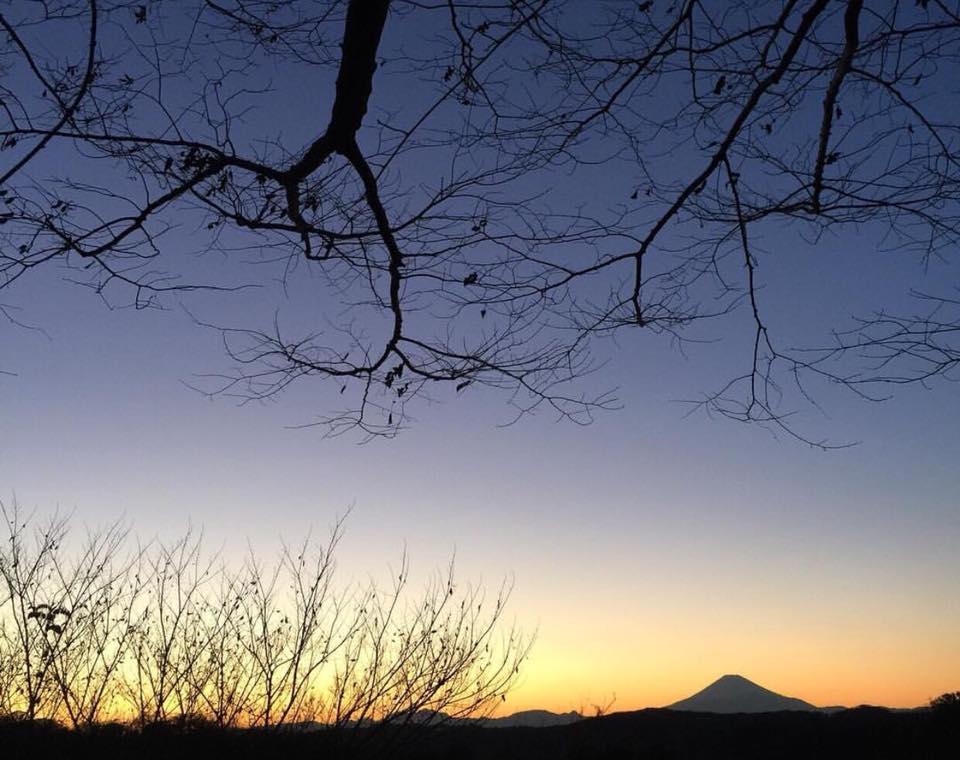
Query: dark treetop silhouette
[{"x": 451, "y": 212}]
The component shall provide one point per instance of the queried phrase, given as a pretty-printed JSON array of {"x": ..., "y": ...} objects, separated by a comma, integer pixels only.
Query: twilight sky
[{"x": 651, "y": 551}]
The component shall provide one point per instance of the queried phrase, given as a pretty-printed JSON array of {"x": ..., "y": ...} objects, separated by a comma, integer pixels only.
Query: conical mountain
[{"x": 736, "y": 694}]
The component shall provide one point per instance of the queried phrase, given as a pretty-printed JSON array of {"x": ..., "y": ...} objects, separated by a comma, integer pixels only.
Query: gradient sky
[{"x": 652, "y": 552}]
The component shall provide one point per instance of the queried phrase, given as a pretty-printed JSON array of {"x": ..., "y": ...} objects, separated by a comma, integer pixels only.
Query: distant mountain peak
[
  {"x": 733, "y": 693},
  {"x": 735, "y": 678}
]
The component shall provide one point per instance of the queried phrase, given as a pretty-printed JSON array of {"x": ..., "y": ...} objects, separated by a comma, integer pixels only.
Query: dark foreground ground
[{"x": 660, "y": 734}]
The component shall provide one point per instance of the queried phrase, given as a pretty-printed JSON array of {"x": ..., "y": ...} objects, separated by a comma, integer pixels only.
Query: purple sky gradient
[{"x": 653, "y": 551}]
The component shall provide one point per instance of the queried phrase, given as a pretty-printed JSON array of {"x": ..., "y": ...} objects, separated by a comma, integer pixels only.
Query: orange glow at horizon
[{"x": 891, "y": 667}]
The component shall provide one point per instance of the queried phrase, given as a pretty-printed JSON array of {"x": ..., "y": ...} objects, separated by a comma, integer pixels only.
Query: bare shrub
[{"x": 105, "y": 627}]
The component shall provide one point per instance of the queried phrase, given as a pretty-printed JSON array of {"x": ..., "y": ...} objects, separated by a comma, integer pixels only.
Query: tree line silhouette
[{"x": 103, "y": 627}]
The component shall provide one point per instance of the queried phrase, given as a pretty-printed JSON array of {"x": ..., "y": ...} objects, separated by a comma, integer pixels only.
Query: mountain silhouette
[
  {"x": 534, "y": 719},
  {"x": 736, "y": 694}
]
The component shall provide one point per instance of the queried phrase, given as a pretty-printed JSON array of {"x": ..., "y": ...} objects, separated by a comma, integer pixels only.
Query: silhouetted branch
[
  {"x": 165, "y": 632},
  {"x": 448, "y": 211}
]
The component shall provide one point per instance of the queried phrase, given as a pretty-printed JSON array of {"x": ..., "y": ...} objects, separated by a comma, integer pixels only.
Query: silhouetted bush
[
  {"x": 947, "y": 704},
  {"x": 168, "y": 638}
]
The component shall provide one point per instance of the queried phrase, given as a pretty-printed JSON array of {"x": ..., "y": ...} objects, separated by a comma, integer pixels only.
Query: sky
[{"x": 650, "y": 552}]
